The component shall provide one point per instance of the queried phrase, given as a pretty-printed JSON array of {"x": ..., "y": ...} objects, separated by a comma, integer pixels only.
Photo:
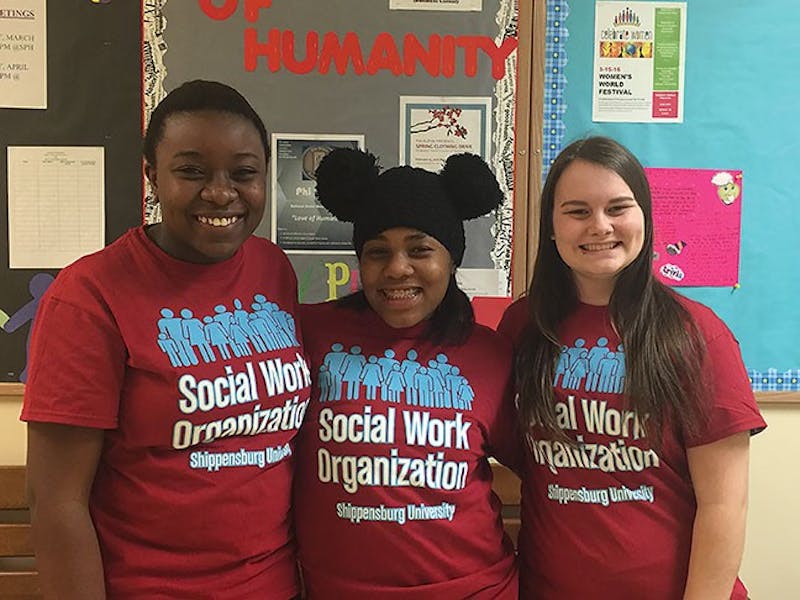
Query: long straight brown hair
[{"x": 663, "y": 346}]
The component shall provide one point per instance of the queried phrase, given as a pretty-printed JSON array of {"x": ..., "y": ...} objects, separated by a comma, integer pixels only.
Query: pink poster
[{"x": 696, "y": 214}]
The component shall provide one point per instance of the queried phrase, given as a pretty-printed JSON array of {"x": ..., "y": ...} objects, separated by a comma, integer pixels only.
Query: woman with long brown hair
[{"x": 635, "y": 403}]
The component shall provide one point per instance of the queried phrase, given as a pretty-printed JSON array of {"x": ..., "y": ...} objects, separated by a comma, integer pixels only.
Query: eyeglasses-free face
[
  {"x": 210, "y": 179},
  {"x": 598, "y": 227},
  {"x": 404, "y": 275}
]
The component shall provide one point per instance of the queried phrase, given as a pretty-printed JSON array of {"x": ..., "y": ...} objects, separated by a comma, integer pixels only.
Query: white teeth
[
  {"x": 217, "y": 221},
  {"x": 596, "y": 247},
  {"x": 400, "y": 294}
]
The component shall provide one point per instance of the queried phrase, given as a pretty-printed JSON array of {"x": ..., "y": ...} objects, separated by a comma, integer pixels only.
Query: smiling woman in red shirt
[
  {"x": 636, "y": 407},
  {"x": 393, "y": 495},
  {"x": 160, "y": 450}
]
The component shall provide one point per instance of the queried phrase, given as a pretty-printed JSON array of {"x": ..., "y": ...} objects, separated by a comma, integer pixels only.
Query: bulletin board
[
  {"x": 360, "y": 72},
  {"x": 93, "y": 99},
  {"x": 739, "y": 113},
  {"x": 105, "y": 76}
]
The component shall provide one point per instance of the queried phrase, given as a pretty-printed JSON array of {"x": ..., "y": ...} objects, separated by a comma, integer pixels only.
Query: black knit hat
[{"x": 351, "y": 187}]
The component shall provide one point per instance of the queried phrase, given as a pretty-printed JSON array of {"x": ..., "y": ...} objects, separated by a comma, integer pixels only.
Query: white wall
[{"x": 771, "y": 566}]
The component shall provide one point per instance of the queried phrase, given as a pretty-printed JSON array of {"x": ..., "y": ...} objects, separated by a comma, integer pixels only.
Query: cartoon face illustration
[
  {"x": 728, "y": 192},
  {"x": 727, "y": 189}
]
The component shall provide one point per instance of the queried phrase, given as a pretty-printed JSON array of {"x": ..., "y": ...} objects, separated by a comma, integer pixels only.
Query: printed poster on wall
[
  {"x": 639, "y": 56},
  {"x": 23, "y": 54},
  {"x": 451, "y": 5},
  {"x": 299, "y": 222},
  {"x": 433, "y": 128},
  {"x": 56, "y": 204},
  {"x": 697, "y": 226}
]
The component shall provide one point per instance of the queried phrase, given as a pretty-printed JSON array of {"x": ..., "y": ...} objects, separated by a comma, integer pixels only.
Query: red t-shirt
[
  {"x": 393, "y": 494},
  {"x": 613, "y": 519},
  {"x": 196, "y": 374}
]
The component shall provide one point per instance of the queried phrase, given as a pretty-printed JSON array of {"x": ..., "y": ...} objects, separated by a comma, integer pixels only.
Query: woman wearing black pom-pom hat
[{"x": 410, "y": 397}]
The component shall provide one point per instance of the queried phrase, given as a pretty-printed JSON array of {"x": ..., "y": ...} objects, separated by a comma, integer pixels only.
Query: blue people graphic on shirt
[
  {"x": 621, "y": 370},
  {"x": 333, "y": 363},
  {"x": 225, "y": 332},
  {"x": 242, "y": 319},
  {"x": 596, "y": 354},
  {"x": 283, "y": 320},
  {"x": 578, "y": 369},
  {"x": 269, "y": 327},
  {"x": 170, "y": 325},
  {"x": 387, "y": 363},
  {"x": 562, "y": 367},
  {"x": 409, "y": 367},
  {"x": 169, "y": 347},
  {"x": 325, "y": 382},
  {"x": 609, "y": 365},
  {"x": 595, "y": 369},
  {"x": 215, "y": 334},
  {"x": 371, "y": 377},
  {"x": 223, "y": 316},
  {"x": 240, "y": 341},
  {"x": 262, "y": 328},
  {"x": 351, "y": 371},
  {"x": 437, "y": 385},
  {"x": 395, "y": 383},
  {"x": 192, "y": 329},
  {"x": 465, "y": 395},
  {"x": 459, "y": 397},
  {"x": 423, "y": 383},
  {"x": 37, "y": 286}
]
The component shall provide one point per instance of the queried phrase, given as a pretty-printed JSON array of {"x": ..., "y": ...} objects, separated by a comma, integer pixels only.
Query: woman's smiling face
[
  {"x": 598, "y": 227},
  {"x": 210, "y": 179},
  {"x": 404, "y": 275}
]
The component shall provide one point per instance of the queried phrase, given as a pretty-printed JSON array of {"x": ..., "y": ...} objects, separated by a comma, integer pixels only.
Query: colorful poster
[
  {"x": 299, "y": 223},
  {"x": 450, "y": 5},
  {"x": 23, "y": 54},
  {"x": 433, "y": 128},
  {"x": 639, "y": 56},
  {"x": 697, "y": 221}
]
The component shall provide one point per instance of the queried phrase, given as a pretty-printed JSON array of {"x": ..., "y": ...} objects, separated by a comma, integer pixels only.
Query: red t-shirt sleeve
[
  {"x": 732, "y": 406},
  {"x": 503, "y": 440},
  {"x": 505, "y": 443},
  {"x": 514, "y": 320},
  {"x": 77, "y": 362}
]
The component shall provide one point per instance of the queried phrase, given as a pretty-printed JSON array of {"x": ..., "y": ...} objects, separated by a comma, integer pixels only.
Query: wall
[
  {"x": 770, "y": 568},
  {"x": 12, "y": 431}
]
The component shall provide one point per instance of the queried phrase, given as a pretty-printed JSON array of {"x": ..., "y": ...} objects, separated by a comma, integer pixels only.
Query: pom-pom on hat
[{"x": 351, "y": 186}]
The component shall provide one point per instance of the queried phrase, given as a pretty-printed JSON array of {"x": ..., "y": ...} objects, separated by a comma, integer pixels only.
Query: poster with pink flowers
[
  {"x": 697, "y": 225},
  {"x": 434, "y": 127}
]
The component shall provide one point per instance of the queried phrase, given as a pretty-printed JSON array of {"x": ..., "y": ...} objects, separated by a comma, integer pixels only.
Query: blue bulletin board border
[
  {"x": 555, "y": 82},
  {"x": 554, "y": 133},
  {"x": 774, "y": 380}
]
